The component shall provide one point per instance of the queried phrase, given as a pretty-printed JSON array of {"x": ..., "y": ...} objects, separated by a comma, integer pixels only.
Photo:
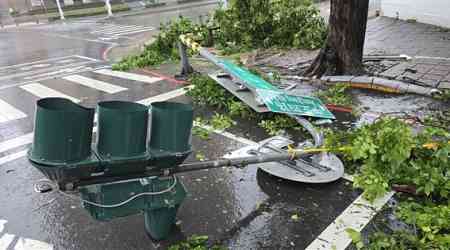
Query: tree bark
[{"x": 343, "y": 49}]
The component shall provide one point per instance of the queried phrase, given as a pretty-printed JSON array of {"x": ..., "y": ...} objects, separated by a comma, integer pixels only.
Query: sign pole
[{"x": 61, "y": 13}]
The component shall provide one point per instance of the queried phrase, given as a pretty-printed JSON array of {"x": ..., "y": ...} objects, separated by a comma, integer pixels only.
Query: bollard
[{"x": 186, "y": 68}]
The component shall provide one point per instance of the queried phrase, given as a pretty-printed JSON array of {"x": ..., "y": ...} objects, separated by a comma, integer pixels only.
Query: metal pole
[
  {"x": 197, "y": 166},
  {"x": 108, "y": 8},
  {"x": 61, "y": 13},
  {"x": 186, "y": 68}
]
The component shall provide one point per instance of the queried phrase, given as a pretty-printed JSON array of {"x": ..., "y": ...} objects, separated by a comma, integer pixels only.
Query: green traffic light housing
[{"x": 64, "y": 151}]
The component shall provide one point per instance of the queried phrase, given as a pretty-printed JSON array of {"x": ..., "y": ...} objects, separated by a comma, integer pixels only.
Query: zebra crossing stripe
[
  {"x": 115, "y": 29},
  {"x": 42, "y": 91},
  {"x": 5, "y": 241},
  {"x": 165, "y": 96},
  {"x": 30, "y": 244},
  {"x": 129, "y": 76},
  {"x": 12, "y": 157},
  {"x": 9, "y": 113},
  {"x": 127, "y": 31},
  {"x": 110, "y": 27},
  {"x": 132, "y": 32},
  {"x": 95, "y": 84},
  {"x": 16, "y": 142}
]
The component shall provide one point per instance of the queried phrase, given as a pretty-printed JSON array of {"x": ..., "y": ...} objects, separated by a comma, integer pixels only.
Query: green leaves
[
  {"x": 356, "y": 237},
  {"x": 337, "y": 94},
  {"x": 265, "y": 23}
]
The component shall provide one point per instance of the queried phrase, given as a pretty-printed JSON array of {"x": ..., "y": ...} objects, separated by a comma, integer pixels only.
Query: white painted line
[
  {"x": 2, "y": 225},
  {"x": 78, "y": 38},
  {"x": 5, "y": 241},
  {"x": 227, "y": 135},
  {"x": 118, "y": 29},
  {"x": 16, "y": 142},
  {"x": 133, "y": 32},
  {"x": 49, "y": 76},
  {"x": 71, "y": 70},
  {"x": 12, "y": 157},
  {"x": 29, "y": 244},
  {"x": 42, "y": 91},
  {"x": 356, "y": 216},
  {"x": 9, "y": 113},
  {"x": 96, "y": 84},
  {"x": 45, "y": 70},
  {"x": 110, "y": 27},
  {"x": 39, "y": 61},
  {"x": 88, "y": 58},
  {"x": 164, "y": 97},
  {"x": 130, "y": 76},
  {"x": 127, "y": 31}
]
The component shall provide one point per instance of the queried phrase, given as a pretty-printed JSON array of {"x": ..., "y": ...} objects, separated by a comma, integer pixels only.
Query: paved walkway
[
  {"x": 430, "y": 45},
  {"x": 392, "y": 36}
]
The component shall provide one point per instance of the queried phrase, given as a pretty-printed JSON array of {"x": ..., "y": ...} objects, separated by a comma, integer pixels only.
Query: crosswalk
[
  {"x": 42, "y": 91},
  {"x": 114, "y": 31},
  {"x": 98, "y": 82}
]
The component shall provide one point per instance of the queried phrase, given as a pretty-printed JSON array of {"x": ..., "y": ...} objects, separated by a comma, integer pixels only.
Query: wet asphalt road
[{"x": 240, "y": 208}]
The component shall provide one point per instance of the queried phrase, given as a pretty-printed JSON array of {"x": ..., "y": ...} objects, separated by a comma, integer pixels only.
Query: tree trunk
[{"x": 343, "y": 49}]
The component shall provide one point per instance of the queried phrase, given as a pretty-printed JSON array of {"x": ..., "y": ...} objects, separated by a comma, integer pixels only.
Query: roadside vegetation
[
  {"x": 246, "y": 25},
  {"x": 392, "y": 156}
]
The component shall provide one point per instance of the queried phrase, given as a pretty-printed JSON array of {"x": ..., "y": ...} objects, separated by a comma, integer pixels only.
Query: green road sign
[
  {"x": 248, "y": 78},
  {"x": 280, "y": 102}
]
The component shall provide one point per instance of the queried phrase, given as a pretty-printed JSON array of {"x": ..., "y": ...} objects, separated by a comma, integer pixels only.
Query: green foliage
[
  {"x": 277, "y": 123},
  {"x": 245, "y": 25},
  {"x": 165, "y": 45},
  {"x": 430, "y": 225},
  {"x": 207, "y": 92},
  {"x": 389, "y": 153},
  {"x": 221, "y": 122},
  {"x": 337, "y": 94},
  {"x": 195, "y": 243},
  {"x": 432, "y": 221},
  {"x": 268, "y": 23}
]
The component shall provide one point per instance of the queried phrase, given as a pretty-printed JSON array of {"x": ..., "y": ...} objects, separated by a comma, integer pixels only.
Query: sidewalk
[{"x": 428, "y": 45}]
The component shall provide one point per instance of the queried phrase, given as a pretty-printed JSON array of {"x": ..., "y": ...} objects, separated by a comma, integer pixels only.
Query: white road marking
[
  {"x": 356, "y": 216},
  {"x": 108, "y": 28},
  {"x": 96, "y": 84},
  {"x": 5, "y": 241},
  {"x": 21, "y": 243},
  {"x": 120, "y": 30},
  {"x": 117, "y": 29},
  {"x": 9, "y": 113},
  {"x": 72, "y": 70},
  {"x": 127, "y": 31},
  {"x": 29, "y": 244},
  {"x": 46, "y": 60},
  {"x": 132, "y": 32},
  {"x": 2, "y": 224},
  {"x": 42, "y": 91},
  {"x": 227, "y": 135},
  {"x": 12, "y": 157},
  {"x": 164, "y": 97},
  {"x": 16, "y": 142},
  {"x": 130, "y": 76}
]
